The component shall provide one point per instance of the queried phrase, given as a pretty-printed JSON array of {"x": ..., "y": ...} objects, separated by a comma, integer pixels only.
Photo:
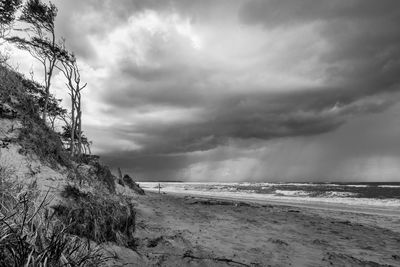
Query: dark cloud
[
  {"x": 278, "y": 13},
  {"x": 348, "y": 153},
  {"x": 253, "y": 117},
  {"x": 362, "y": 37},
  {"x": 170, "y": 100}
]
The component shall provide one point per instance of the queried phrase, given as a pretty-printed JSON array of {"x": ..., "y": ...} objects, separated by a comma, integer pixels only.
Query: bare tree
[
  {"x": 41, "y": 40},
  {"x": 71, "y": 72}
]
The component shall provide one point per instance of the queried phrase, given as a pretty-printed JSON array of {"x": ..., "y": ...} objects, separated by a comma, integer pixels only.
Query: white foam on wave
[
  {"x": 339, "y": 194},
  {"x": 292, "y": 193},
  {"x": 299, "y": 184},
  {"x": 301, "y": 193},
  {"x": 389, "y": 186}
]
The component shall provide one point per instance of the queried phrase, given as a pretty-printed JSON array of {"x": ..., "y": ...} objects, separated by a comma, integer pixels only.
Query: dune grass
[
  {"x": 30, "y": 234},
  {"x": 98, "y": 217}
]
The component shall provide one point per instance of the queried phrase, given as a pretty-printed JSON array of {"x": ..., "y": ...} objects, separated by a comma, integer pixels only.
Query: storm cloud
[{"x": 237, "y": 90}]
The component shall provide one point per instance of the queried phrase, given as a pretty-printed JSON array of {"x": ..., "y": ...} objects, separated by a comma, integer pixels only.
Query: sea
[{"x": 369, "y": 195}]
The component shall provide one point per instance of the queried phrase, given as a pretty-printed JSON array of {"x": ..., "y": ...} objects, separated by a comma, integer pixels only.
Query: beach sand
[{"x": 177, "y": 230}]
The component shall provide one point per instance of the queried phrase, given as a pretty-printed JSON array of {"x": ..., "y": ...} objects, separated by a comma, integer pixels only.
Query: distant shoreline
[{"x": 260, "y": 182}]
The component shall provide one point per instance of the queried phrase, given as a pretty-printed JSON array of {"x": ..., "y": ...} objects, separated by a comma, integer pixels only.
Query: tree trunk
[
  {"x": 73, "y": 125},
  {"x": 79, "y": 120},
  {"x": 46, "y": 103},
  {"x": 52, "y": 63}
]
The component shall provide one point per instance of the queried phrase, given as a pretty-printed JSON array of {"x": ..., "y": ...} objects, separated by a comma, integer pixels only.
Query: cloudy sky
[{"x": 240, "y": 90}]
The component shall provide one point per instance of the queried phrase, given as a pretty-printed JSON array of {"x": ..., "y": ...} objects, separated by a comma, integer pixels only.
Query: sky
[{"x": 238, "y": 90}]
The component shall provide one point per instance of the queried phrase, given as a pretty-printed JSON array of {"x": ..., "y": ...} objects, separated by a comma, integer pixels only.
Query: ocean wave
[
  {"x": 292, "y": 193},
  {"x": 302, "y": 193},
  {"x": 389, "y": 186},
  {"x": 331, "y": 194}
]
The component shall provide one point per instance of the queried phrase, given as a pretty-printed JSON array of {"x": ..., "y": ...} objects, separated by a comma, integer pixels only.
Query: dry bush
[
  {"x": 31, "y": 236},
  {"x": 98, "y": 218}
]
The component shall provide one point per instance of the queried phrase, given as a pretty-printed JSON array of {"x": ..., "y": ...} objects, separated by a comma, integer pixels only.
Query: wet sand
[{"x": 178, "y": 230}]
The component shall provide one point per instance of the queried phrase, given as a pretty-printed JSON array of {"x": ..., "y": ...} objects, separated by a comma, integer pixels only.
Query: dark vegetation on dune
[
  {"x": 20, "y": 99},
  {"x": 97, "y": 217}
]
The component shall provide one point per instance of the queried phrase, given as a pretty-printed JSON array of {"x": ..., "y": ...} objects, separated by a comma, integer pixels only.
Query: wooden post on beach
[{"x": 159, "y": 188}]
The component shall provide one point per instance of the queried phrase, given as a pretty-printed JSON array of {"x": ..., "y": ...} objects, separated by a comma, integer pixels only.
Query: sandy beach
[{"x": 178, "y": 230}]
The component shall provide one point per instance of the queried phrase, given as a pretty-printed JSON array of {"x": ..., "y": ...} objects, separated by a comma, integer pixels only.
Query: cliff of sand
[{"x": 55, "y": 209}]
